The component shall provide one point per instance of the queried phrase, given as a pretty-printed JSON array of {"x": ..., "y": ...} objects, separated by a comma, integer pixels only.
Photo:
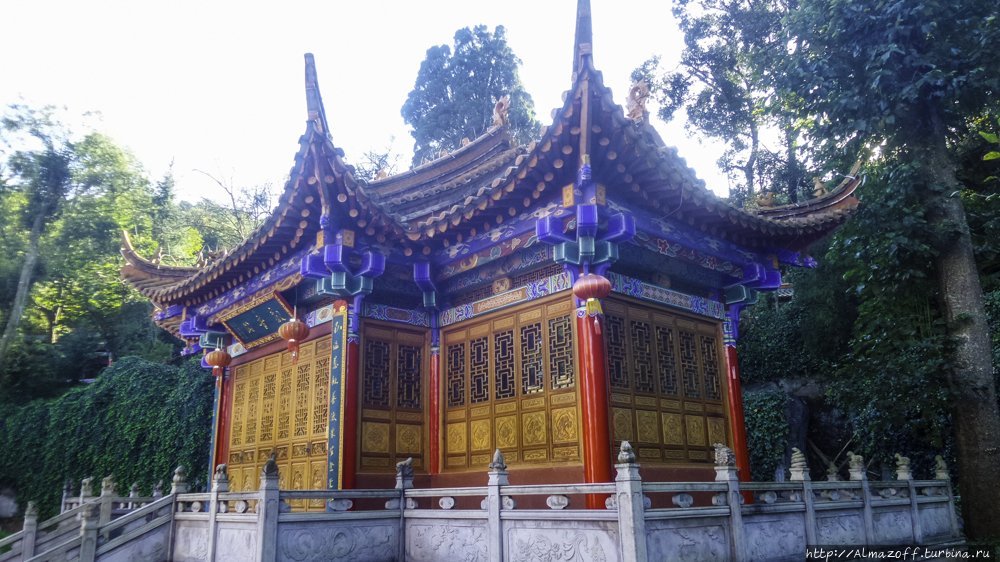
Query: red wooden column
[
  {"x": 735, "y": 394},
  {"x": 223, "y": 393},
  {"x": 594, "y": 403}
]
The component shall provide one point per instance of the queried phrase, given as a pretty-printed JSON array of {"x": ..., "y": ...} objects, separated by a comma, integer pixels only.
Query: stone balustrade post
[
  {"x": 800, "y": 473},
  {"x": 179, "y": 484},
  {"x": 267, "y": 512},
  {"x": 89, "y": 526},
  {"x": 859, "y": 473},
  {"x": 631, "y": 506},
  {"x": 220, "y": 485},
  {"x": 29, "y": 532},
  {"x": 67, "y": 493},
  {"x": 106, "y": 499},
  {"x": 941, "y": 473},
  {"x": 133, "y": 493},
  {"x": 86, "y": 488},
  {"x": 404, "y": 482},
  {"x": 494, "y": 503},
  {"x": 725, "y": 471}
]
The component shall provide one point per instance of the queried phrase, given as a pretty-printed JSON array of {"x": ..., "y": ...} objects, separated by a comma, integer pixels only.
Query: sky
[{"x": 217, "y": 88}]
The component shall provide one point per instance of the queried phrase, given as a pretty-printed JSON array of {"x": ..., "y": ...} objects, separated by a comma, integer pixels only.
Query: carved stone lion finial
[
  {"x": 902, "y": 462},
  {"x": 832, "y": 472},
  {"x": 798, "y": 459},
  {"x": 271, "y": 466},
  {"x": 857, "y": 462},
  {"x": 31, "y": 510},
  {"x": 180, "y": 475},
  {"x": 501, "y": 111},
  {"x": 222, "y": 472},
  {"x": 635, "y": 105},
  {"x": 108, "y": 485},
  {"x": 87, "y": 486},
  {"x": 941, "y": 469},
  {"x": 626, "y": 455},
  {"x": 499, "y": 463},
  {"x": 724, "y": 455},
  {"x": 404, "y": 468}
]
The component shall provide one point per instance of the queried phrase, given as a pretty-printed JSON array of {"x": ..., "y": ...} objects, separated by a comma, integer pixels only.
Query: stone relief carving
[
  {"x": 771, "y": 539},
  {"x": 543, "y": 547},
  {"x": 440, "y": 542},
  {"x": 235, "y": 545},
  {"x": 191, "y": 543},
  {"x": 356, "y": 543}
]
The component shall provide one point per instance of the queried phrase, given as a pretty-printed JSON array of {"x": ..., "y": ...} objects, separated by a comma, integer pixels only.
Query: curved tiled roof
[{"x": 485, "y": 183}]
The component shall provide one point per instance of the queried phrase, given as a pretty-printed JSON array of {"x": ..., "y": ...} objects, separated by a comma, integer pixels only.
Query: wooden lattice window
[
  {"x": 392, "y": 396},
  {"x": 665, "y": 378},
  {"x": 510, "y": 383}
]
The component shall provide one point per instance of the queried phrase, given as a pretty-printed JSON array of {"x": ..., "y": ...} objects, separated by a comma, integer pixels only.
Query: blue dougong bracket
[
  {"x": 588, "y": 247},
  {"x": 334, "y": 274}
]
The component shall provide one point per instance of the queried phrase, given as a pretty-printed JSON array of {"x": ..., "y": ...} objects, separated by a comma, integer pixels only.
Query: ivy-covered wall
[{"x": 138, "y": 421}]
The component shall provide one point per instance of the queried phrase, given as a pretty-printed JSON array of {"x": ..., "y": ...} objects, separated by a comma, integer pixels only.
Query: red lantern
[
  {"x": 219, "y": 359},
  {"x": 591, "y": 286},
  {"x": 294, "y": 332}
]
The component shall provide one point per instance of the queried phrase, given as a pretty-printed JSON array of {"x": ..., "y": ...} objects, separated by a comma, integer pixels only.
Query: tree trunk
[
  {"x": 23, "y": 283},
  {"x": 974, "y": 411}
]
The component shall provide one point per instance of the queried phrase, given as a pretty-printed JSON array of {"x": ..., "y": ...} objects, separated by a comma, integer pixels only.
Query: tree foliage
[
  {"x": 138, "y": 421},
  {"x": 457, "y": 87},
  {"x": 911, "y": 84},
  {"x": 725, "y": 86}
]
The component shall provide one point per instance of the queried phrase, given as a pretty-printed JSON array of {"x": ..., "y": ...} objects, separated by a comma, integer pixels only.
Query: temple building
[{"x": 549, "y": 300}]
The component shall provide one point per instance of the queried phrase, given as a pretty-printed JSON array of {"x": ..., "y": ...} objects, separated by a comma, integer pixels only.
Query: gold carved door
[
  {"x": 666, "y": 380},
  {"x": 282, "y": 408},
  {"x": 509, "y": 383}
]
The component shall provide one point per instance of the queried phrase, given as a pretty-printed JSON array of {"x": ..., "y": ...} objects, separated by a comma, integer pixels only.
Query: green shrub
[{"x": 138, "y": 421}]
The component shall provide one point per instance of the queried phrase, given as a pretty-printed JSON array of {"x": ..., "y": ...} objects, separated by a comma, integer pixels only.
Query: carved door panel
[
  {"x": 282, "y": 408},
  {"x": 510, "y": 383},
  {"x": 666, "y": 382},
  {"x": 393, "y": 370}
]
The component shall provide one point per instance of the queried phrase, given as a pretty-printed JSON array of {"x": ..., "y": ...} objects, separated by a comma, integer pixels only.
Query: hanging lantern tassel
[
  {"x": 591, "y": 288},
  {"x": 294, "y": 332},
  {"x": 218, "y": 359}
]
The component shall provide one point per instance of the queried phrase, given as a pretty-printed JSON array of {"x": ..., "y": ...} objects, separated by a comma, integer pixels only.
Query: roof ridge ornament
[
  {"x": 314, "y": 101},
  {"x": 635, "y": 105},
  {"x": 501, "y": 114},
  {"x": 584, "y": 39}
]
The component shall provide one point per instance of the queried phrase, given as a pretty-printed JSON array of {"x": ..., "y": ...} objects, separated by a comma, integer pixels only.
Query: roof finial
[
  {"x": 584, "y": 34},
  {"x": 314, "y": 102}
]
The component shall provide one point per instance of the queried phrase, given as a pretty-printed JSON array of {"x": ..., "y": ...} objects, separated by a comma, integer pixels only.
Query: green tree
[
  {"x": 43, "y": 176},
  {"x": 725, "y": 85},
  {"x": 906, "y": 76},
  {"x": 456, "y": 89}
]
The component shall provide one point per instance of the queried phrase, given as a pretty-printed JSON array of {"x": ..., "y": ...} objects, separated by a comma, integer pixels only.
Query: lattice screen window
[
  {"x": 282, "y": 408},
  {"x": 666, "y": 386},
  {"x": 393, "y": 367},
  {"x": 510, "y": 383}
]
